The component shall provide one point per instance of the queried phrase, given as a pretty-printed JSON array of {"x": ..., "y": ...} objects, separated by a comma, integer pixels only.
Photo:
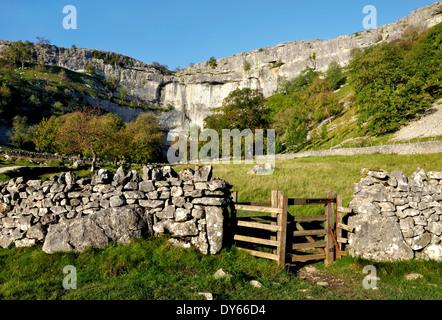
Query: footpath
[{"x": 405, "y": 148}]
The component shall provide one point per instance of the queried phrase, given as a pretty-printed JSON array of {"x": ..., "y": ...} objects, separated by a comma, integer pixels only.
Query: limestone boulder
[
  {"x": 95, "y": 230},
  {"x": 378, "y": 238}
]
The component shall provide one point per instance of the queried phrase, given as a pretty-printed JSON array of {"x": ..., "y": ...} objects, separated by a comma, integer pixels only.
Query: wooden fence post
[
  {"x": 329, "y": 249},
  {"x": 235, "y": 196},
  {"x": 282, "y": 222}
]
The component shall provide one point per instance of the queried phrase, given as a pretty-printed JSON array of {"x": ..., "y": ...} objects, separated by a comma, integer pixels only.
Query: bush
[
  {"x": 334, "y": 76},
  {"x": 90, "y": 67},
  {"x": 212, "y": 62},
  {"x": 22, "y": 133},
  {"x": 242, "y": 109},
  {"x": 145, "y": 139},
  {"x": 246, "y": 65}
]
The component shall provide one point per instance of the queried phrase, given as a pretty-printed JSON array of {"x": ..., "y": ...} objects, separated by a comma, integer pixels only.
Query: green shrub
[
  {"x": 212, "y": 62},
  {"x": 246, "y": 65}
]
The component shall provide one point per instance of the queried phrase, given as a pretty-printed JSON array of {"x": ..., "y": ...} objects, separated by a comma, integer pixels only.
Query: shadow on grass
[{"x": 32, "y": 173}]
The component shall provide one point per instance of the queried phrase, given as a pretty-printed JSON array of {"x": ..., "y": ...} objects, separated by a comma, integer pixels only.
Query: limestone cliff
[{"x": 191, "y": 93}]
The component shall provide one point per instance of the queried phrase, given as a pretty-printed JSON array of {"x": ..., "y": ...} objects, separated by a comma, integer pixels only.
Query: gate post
[
  {"x": 282, "y": 222},
  {"x": 329, "y": 212}
]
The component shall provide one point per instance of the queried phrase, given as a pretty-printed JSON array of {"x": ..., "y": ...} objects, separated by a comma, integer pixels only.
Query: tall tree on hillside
[
  {"x": 334, "y": 76},
  {"x": 22, "y": 133},
  {"x": 21, "y": 53},
  {"x": 241, "y": 109}
]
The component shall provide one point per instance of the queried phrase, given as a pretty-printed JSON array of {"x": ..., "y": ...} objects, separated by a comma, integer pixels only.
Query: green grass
[
  {"x": 143, "y": 269},
  {"x": 153, "y": 269},
  {"x": 311, "y": 177},
  {"x": 392, "y": 284}
]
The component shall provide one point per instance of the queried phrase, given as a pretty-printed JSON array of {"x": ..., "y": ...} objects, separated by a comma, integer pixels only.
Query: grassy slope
[{"x": 345, "y": 133}]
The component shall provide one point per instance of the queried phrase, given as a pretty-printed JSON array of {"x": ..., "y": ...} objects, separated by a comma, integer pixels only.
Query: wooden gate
[
  {"x": 284, "y": 237},
  {"x": 302, "y": 240}
]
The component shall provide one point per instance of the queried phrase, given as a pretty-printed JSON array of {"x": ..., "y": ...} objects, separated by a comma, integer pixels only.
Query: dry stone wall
[
  {"x": 397, "y": 217},
  {"x": 69, "y": 214}
]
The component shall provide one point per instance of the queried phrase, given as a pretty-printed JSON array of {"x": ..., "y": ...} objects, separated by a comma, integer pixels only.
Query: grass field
[
  {"x": 153, "y": 269},
  {"x": 311, "y": 177}
]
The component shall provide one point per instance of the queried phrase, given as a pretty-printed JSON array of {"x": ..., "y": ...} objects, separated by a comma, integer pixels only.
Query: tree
[
  {"x": 100, "y": 137},
  {"x": 296, "y": 133},
  {"x": 46, "y": 133},
  {"x": 245, "y": 109},
  {"x": 21, "y": 53},
  {"x": 212, "y": 62},
  {"x": 22, "y": 133},
  {"x": 215, "y": 121},
  {"x": 88, "y": 133},
  {"x": 305, "y": 78},
  {"x": 312, "y": 60},
  {"x": 90, "y": 67},
  {"x": 163, "y": 68},
  {"x": 322, "y": 102},
  {"x": 84, "y": 132},
  {"x": 334, "y": 76},
  {"x": 146, "y": 139},
  {"x": 69, "y": 139},
  {"x": 43, "y": 41},
  {"x": 241, "y": 109}
]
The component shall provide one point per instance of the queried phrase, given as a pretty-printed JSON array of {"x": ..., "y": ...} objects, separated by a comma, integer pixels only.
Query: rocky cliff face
[{"x": 191, "y": 93}]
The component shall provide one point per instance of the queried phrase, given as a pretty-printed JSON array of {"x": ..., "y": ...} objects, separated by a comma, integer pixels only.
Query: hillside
[
  {"x": 54, "y": 81},
  {"x": 190, "y": 93}
]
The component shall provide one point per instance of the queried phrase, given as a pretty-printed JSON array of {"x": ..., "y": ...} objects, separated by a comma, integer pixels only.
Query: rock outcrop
[
  {"x": 191, "y": 93},
  {"x": 396, "y": 217},
  {"x": 69, "y": 214}
]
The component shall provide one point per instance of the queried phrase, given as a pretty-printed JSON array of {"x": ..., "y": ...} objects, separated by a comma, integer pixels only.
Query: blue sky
[{"x": 179, "y": 32}]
